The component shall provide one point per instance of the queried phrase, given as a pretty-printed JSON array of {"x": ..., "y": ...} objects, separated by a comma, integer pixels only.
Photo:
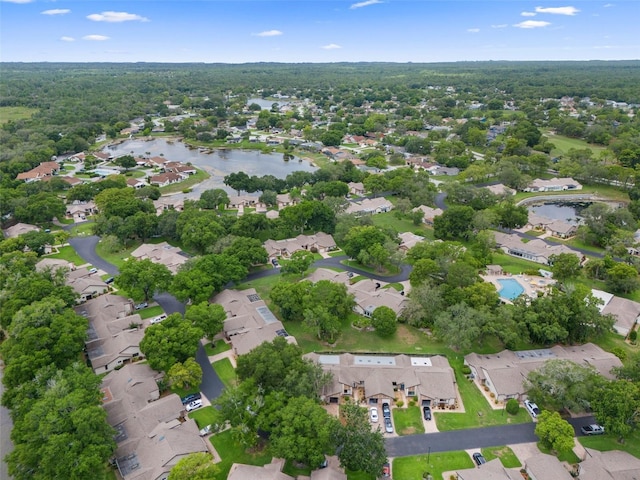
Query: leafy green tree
[
  {"x": 454, "y": 223},
  {"x": 460, "y": 326},
  {"x": 185, "y": 375},
  {"x": 425, "y": 303},
  {"x": 326, "y": 326},
  {"x": 631, "y": 368},
  {"x": 143, "y": 278},
  {"x": 289, "y": 298},
  {"x": 199, "y": 278},
  {"x": 512, "y": 216},
  {"x": 616, "y": 405},
  {"x": 562, "y": 384},
  {"x": 208, "y": 317},
  {"x": 65, "y": 433},
  {"x": 196, "y": 466},
  {"x": 622, "y": 278},
  {"x": 362, "y": 449},
  {"x": 121, "y": 202},
  {"x": 35, "y": 241},
  {"x": 554, "y": 432},
  {"x": 385, "y": 321},
  {"x": 565, "y": 266},
  {"x": 199, "y": 229},
  {"x": 298, "y": 263},
  {"x": 126, "y": 162},
  {"x": 269, "y": 198},
  {"x": 360, "y": 238},
  {"x": 214, "y": 199},
  {"x": 170, "y": 342},
  {"x": 40, "y": 208}
]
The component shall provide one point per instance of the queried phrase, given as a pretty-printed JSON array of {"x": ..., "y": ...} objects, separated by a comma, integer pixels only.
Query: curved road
[
  {"x": 470, "y": 438},
  {"x": 211, "y": 384}
]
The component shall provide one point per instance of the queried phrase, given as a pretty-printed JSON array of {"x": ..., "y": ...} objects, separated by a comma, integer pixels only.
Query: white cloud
[
  {"x": 331, "y": 46},
  {"x": 528, "y": 14},
  {"x": 532, "y": 24},
  {"x": 608, "y": 5},
  {"x": 473, "y": 30},
  {"x": 268, "y": 33},
  {"x": 95, "y": 38},
  {"x": 67, "y": 39},
  {"x": 366, "y": 3},
  {"x": 116, "y": 17},
  {"x": 502, "y": 25},
  {"x": 56, "y": 11},
  {"x": 558, "y": 10}
]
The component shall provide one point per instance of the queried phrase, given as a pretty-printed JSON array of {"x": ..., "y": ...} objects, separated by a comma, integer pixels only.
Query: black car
[
  {"x": 386, "y": 411},
  {"x": 426, "y": 412},
  {"x": 479, "y": 459},
  {"x": 191, "y": 397}
]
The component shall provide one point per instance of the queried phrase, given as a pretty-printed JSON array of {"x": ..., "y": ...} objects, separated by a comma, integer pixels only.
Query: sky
[{"x": 242, "y": 31}]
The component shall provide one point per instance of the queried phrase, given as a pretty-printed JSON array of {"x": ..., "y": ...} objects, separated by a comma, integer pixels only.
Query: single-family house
[
  {"x": 611, "y": 465},
  {"x": 500, "y": 189},
  {"x": 285, "y": 200},
  {"x": 369, "y": 206},
  {"x": 504, "y": 373},
  {"x": 536, "y": 250},
  {"x": 375, "y": 379},
  {"x": 319, "y": 242},
  {"x": 162, "y": 253},
  {"x": 626, "y": 312},
  {"x": 492, "y": 470},
  {"x": 170, "y": 202},
  {"x": 45, "y": 169},
  {"x": 85, "y": 284},
  {"x": 249, "y": 321},
  {"x": 546, "y": 467},
  {"x": 408, "y": 240},
  {"x": 237, "y": 201},
  {"x": 553, "y": 185},
  {"x": 370, "y": 294},
  {"x": 356, "y": 188},
  {"x": 270, "y": 471},
  {"x": 555, "y": 227},
  {"x": 168, "y": 178},
  {"x": 136, "y": 183},
  {"x": 429, "y": 213},
  {"x": 156, "y": 162},
  {"x": 54, "y": 264},
  {"x": 79, "y": 211},
  {"x": 152, "y": 432},
  {"x": 113, "y": 306},
  {"x": 18, "y": 229},
  {"x": 177, "y": 167}
]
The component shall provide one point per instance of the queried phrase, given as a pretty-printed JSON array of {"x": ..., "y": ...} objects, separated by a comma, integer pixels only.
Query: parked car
[
  {"x": 426, "y": 412},
  {"x": 388, "y": 426},
  {"x": 206, "y": 430},
  {"x": 191, "y": 397},
  {"x": 93, "y": 270},
  {"x": 142, "y": 305},
  {"x": 373, "y": 414},
  {"x": 275, "y": 262},
  {"x": 386, "y": 470},
  {"x": 386, "y": 410},
  {"x": 109, "y": 280},
  {"x": 593, "y": 429},
  {"x": 479, "y": 459},
  {"x": 193, "y": 405},
  {"x": 532, "y": 408},
  {"x": 158, "y": 319}
]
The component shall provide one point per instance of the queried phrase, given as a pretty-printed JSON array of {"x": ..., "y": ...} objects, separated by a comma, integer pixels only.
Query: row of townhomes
[{"x": 319, "y": 242}]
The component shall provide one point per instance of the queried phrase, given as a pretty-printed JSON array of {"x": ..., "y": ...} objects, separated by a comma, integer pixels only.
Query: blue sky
[{"x": 240, "y": 31}]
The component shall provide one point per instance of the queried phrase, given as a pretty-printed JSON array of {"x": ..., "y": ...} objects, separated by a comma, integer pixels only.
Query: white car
[
  {"x": 532, "y": 408},
  {"x": 206, "y": 430},
  {"x": 158, "y": 319},
  {"x": 373, "y": 414},
  {"x": 193, "y": 405}
]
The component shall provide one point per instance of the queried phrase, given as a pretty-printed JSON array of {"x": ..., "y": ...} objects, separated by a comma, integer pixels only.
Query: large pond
[
  {"x": 568, "y": 212},
  {"x": 218, "y": 163},
  {"x": 266, "y": 104}
]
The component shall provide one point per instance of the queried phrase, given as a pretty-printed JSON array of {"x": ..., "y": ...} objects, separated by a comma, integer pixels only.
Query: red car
[{"x": 386, "y": 470}]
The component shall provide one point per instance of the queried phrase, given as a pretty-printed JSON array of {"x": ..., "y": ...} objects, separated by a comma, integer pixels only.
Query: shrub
[
  {"x": 492, "y": 395},
  {"x": 466, "y": 369},
  {"x": 400, "y": 404},
  {"x": 512, "y": 407},
  {"x": 486, "y": 389},
  {"x": 633, "y": 336},
  {"x": 619, "y": 352},
  {"x": 186, "y": 190}
]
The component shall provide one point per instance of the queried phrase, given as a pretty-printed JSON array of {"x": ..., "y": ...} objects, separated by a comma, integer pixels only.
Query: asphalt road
[
  {"x": 470, "y": 438},
  {"x": 211, "y": 384},
  {"x": 5, "y": 433}
]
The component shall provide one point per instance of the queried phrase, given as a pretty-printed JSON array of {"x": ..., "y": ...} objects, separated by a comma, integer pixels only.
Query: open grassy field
[
  {"x": 8, "y": 114},
  {"x": 69, "y": 254},
  {"x": 564, "y": 144}
]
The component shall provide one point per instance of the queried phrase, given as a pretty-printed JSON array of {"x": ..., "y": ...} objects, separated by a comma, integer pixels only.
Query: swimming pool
[{"x": 511, "y": 289}]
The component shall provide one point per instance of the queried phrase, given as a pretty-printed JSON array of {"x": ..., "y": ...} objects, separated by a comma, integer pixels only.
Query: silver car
[{"x": 388, "y": 426}]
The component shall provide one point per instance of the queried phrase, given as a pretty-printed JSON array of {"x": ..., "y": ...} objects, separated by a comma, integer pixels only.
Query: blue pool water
[{"x": 511, "y": 289}]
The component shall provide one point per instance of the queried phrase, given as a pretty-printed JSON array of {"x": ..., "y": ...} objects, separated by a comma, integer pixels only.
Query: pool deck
[{"x": 532, "y": 285}]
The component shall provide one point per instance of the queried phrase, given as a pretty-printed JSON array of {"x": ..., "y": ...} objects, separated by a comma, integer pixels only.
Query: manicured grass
[
  {"x": 515, "y": 265},
  {"x": 358, "y": 476},
  {"x": 567, "y": 456},
  {"x": 564, "y": 144},
  {"x": 390, "y": 271},
  {"x": 69, "y": 254},
  {"x": 604, "y": 192},
  {"x": 505, "y": 454},
  {"x": 604, "y": 443},
  {"x": 194, "y": 179},
  {"x": 218, "y": 347},
  {"x": 478, "y": 412},
  {"x": 337, "y": 253},
  {"x": 232, "y": 452},
  {"x": 117, "y": 258},
  {"x": 611, "y": 340},
  {"x": 82, "y": 229},
  {"x": 398, "y": 286},
  {"x": 150, "y": 312},
  {"x": 576, "y": 243},
  {"x": 225, "y": 371},
  {"x": 413, "y": 468},
  {"x": 402, "y": 224},
  {"x": 264, "y": 285},
  {"x": 408, "y": 421},
  {"x": 206, "y": 416},
  {"x": 15, "y": 113}
]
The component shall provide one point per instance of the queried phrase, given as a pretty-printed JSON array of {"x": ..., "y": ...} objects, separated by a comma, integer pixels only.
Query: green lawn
[
  {"x": 392, "y": 270},
  {"x": 567, "y": 456},
  {"x": 206, "y": 416},
  {"x": 408, "y": 421},
  {"x": 194, "y": 179},
  {"x": 232, "y": 452},
  {"x": 514, "y": 265},
  {"x": 82, "y": 229},
  {"x": 225, "y": 371},
  {"x": 69, "y": 254},
  {"x": 604, "y": 443},
  {"x": 505, "y": 454},
  {"x": 605, "y": 192},
  {"x": 218, "y": 347},
  {"x": 150, "y": 312},
  {"x": 15, "y": 113},
  {"x": 117, "y": 258},
  {"x": 391, "y": 220},
  {"x": 413, "y": 468},
  {"x": 564, "y": 144}
]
